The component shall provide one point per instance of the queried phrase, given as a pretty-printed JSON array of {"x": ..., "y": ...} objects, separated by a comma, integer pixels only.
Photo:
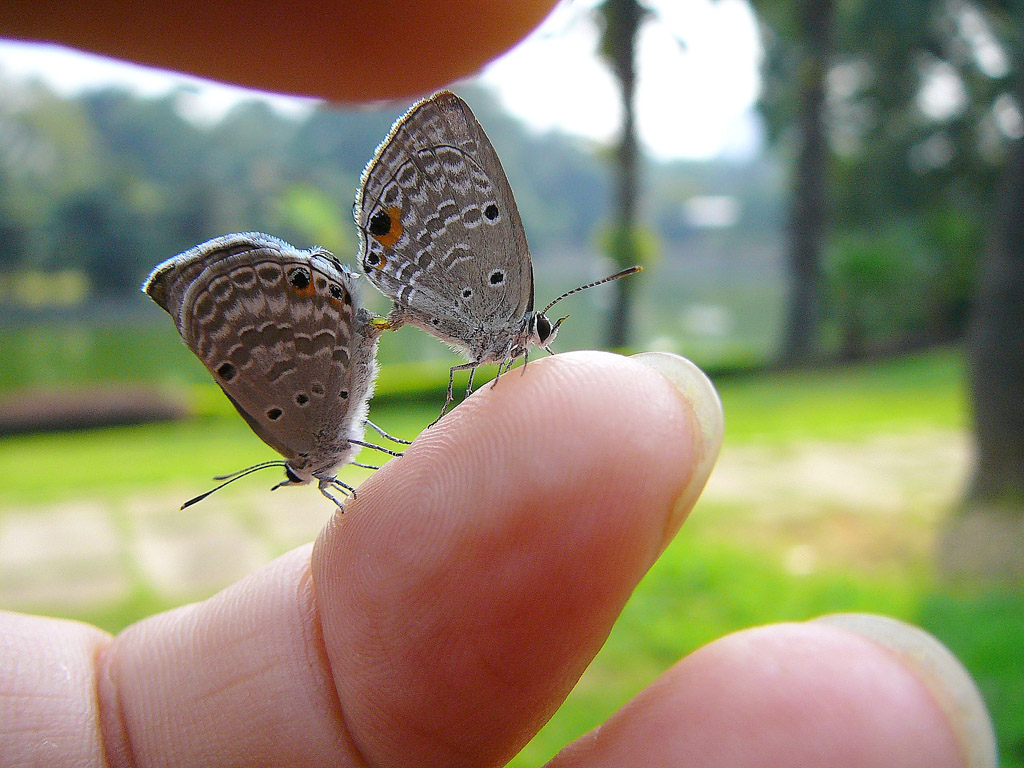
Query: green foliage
[
  {"x": 913, "y": 176},
  {"x": 626, "y": 247},
  {"x": 313, "y": 217},
  {"x": 110, "y": 183},
  {"x": 879, "y": 285}
]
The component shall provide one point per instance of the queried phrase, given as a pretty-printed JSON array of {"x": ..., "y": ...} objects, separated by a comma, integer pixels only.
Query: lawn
[{"x": 776, "y": 555}]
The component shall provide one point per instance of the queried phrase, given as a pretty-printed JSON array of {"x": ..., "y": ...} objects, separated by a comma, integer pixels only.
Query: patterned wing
[
  {"x": 439, "y": 230},
  {"x": 279, "y": 330}
]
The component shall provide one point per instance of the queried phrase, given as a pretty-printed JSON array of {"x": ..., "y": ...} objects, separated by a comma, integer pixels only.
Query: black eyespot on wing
[
  {"x": 467, "y": 292},
  {"x": 274, "y": 414},
  {"x": 343, "y": 394},
  {"x": 491, "y": 212},
  {"x": 497, "y": 277},
  {"x": 299, "y": 277},
  {"x": 227, "y": 371},
  {"x": 372, "y": 259},
  {"x": 435, "y": 321},
  {"x": 301, "y": 399},
  {"x": 380, "y": 223},
  {"x": 336, "y": 291}
]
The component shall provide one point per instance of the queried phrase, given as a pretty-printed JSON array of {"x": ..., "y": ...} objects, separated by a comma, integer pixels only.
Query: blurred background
[{"x": 828, "y": 199}]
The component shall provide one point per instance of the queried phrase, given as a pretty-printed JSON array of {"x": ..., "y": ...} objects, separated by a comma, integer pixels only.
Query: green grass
[
  {"x": 727, "y": 569},
  {"x": 118, "y": 461},
  {"x": 922, "y": 391}
]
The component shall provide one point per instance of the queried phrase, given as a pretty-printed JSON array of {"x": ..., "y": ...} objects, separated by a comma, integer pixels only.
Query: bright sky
[{"x": 698, "y": 78}]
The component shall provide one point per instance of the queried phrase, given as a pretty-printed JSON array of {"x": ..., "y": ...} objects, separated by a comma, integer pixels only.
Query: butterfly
[
  {"x": 440, "y": 235},
  {"x": 282, "y": 334}
]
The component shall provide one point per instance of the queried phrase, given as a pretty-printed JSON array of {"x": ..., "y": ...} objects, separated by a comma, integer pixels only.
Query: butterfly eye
[{"x": 543, "y": 326}]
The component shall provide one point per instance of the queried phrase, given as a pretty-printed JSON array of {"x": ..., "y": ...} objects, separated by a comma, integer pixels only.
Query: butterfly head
[{"x": 542, "y": 331}]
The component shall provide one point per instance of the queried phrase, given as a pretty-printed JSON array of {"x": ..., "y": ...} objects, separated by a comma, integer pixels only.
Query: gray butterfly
[
  {"x": 440, "y": 235},
  {"x": 282, "y": 334}
]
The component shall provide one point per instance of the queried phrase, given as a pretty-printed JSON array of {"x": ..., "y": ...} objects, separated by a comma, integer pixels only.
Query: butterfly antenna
[
  {"x": 247, "y": 470},
  {"x": 616, "y": 276},
  {"x": 228, "y": 479}
]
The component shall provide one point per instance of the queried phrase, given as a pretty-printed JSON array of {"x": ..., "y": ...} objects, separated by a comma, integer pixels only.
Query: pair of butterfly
[{"x": 281, "y": 329}]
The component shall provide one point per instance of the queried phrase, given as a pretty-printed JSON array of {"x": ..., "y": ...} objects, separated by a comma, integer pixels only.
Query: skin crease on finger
[
  {"x": 460, "y": 605},
  {"x": 355, "y": 51}
]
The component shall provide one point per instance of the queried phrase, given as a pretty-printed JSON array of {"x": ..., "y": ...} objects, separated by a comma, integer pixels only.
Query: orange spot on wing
[{"x": 389, "y": 238}]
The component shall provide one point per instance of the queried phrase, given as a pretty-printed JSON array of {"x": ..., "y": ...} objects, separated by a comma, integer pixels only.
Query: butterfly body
[{"x": 281, "y": 332}]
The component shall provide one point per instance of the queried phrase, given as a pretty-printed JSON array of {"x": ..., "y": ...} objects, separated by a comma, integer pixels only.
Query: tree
[
  {"x": 996, "y": 341},
  {"x": 622, "y": 19},
  {"x": 939, "y": 186},
  {"x": 807, "y": 30}
]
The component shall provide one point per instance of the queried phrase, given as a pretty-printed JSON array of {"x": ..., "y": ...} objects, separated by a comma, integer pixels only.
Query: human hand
[{"x": 446, "y": 615}]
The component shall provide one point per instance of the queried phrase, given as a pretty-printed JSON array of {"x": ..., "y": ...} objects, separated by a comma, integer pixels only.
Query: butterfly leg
[
  {"x": 333, "y": 482},
  {"x": 375, "y": 447},
  {"x": 507, "y": 364},
  {"x": 471, "y": 367},
  {"x": 385, "y": 435}
]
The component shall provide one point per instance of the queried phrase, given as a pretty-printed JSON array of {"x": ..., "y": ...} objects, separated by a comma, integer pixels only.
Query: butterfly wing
[
  {"x": 280, "y": 331},
  {"x": 440, "y": 233}
]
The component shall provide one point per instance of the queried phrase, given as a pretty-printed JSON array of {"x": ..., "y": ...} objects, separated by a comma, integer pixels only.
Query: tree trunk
[
  {"x": 996, "y": 351},
  {"x": 622, "y": 22},
  {"x": 807, "y": 214}
]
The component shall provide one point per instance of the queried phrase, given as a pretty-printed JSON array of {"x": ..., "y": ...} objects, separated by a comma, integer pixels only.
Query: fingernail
[
  {"x": 700, "y": 395},
  {"x": 943, "y": 675}
]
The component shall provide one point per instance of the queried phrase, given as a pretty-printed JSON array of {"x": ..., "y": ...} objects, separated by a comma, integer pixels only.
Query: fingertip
[
  {"x": 782, "y": 694},
  {"x": 952, "y": 687},
  {"x": 701, "y": 397}
]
